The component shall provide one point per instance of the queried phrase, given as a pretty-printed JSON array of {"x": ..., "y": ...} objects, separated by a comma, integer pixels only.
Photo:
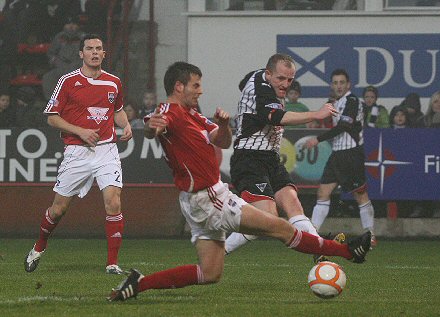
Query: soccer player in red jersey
[
  {"x": 209, "y": 207},
  {"x": 85, "y": 106}
]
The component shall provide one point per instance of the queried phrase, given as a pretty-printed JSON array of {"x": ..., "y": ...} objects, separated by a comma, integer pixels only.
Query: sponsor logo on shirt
[
  {"x": 274, "y": 106},
  {"x": 98, "y": 114},
  {"x": 78, "y": 84},
  {"x": 53, "y": 102}
]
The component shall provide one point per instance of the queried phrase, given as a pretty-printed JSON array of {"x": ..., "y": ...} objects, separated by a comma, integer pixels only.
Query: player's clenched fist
[
  {"x": 221, "y": 117},
  {"x": 157, "y": 120}
]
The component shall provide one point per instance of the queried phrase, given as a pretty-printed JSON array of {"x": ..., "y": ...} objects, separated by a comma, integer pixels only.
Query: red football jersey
[
  {"x": 88, "y": 103},
  {"x": 188, "y": 150}
]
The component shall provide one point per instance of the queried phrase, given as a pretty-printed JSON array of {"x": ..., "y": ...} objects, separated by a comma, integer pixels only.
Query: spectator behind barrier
[
  {"x": 399, "y": 117},
  {"x": 7, "y": 112},
  {"x": 29, "y": 110},
  {"x": 149, "y": 101},
  {"x": 375, "y": 116},
  {"x": 413, "y": 106},
  {"x": 63, "y": 55},
  {"x": 292, "y": 103},
  {"x": 132, "y": 115},
  {"x": 432, "y": 117}
]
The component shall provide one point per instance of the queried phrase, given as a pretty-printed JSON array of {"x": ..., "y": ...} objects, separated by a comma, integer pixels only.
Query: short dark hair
[
  {"x": 340, "y": 71},
  {"x": 274, "y": 59},
  {"x": 179, "y": 71},
  {"x": 372, "y": 89},
  {"x": 89, "y": 36},
  {"x": 295, "y": 85}
]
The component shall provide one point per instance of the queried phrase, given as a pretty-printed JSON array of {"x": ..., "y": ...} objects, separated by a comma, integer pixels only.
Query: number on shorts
[{"x": 117, "y": 177}]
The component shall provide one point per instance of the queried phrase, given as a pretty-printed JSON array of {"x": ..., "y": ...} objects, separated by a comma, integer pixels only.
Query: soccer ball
[{"x": 327, "y": 279}]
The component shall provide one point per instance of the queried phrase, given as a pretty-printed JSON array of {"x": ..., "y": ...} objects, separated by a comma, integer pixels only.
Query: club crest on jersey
[
  {"x": 97, "y": 114},
  {"x": 111, "y": 97},
  {"x": 261, "y": 186}
]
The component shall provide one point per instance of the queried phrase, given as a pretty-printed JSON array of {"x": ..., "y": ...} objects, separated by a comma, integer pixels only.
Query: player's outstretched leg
[
  {"x": 340, "y": 237},
  {"x": 359, "y": 247},
  {"x": 32, "y": 259},
  {"x": 128, "y": 288}
]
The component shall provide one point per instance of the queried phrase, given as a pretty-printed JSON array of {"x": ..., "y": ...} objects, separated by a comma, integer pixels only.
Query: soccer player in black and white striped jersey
[
  {"x": 256, "y": 170},
  {"x": 346, "y": 164}
]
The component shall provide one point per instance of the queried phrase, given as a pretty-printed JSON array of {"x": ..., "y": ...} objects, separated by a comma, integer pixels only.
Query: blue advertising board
[
  {"x": 403, "y": 164},
  {"x": 395, "y": 63}
]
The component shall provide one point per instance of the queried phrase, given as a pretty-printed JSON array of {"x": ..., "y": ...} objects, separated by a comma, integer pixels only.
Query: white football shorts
[
  {"x": 82, "y": 164},
  {"x": 212, "y": 212}
]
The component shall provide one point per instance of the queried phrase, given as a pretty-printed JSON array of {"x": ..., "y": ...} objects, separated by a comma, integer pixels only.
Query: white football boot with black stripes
[
  {"x": 359, "y": 247},
  {"x": 128, "y": 288}
]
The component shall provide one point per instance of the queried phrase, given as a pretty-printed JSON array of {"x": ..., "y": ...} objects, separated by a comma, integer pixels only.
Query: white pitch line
[{"x": 41, "y": 299}]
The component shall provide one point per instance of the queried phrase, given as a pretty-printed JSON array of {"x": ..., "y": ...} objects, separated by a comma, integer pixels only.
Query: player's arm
[
  {"x": 293, "y": 118},
  {"x": 221, "y": 137},
  {"x": 347, "y": 123},
  {"x": 121, "y": 121},
  {"x": 89, "y": 136},
  {"x": 155, "y": 124}
]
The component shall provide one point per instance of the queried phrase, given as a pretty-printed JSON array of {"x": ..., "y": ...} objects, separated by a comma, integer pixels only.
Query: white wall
[{"x": 228, "y": 46}]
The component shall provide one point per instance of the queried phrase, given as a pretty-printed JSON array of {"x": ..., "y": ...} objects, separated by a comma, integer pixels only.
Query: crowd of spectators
[{"x": 39, "y": 42}]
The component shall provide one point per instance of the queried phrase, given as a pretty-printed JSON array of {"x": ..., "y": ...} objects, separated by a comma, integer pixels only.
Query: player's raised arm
[
  {"x": 155, "y": 125},
  {"x": 293, "y": 118},
  {"x": 222, "y": 137}
]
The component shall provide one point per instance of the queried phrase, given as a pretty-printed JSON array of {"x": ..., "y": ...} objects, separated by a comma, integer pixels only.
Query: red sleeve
[
  {"x": 120, "y": 98},
  {"x": 208, "y": 124},
  {"x": 58, "y": 100}
]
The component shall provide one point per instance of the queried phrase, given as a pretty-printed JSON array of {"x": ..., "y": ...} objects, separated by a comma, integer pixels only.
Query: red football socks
[
  {"x": 307, "y": 243},
  {"x": 114, "y": 227},
  {"x": 177, "y": 277},
  {"x": 46, "y": 227}
]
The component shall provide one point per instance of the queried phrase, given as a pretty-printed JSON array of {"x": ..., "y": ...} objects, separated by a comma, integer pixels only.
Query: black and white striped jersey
[
  {"x": 258, "y": 99},
  {"x": 347, "y": 125}
]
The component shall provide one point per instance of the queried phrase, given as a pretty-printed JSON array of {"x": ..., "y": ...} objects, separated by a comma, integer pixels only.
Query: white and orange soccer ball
[{"x": 327, "y": 279}]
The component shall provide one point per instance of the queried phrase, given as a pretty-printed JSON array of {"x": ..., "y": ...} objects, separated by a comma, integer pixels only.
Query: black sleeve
[
  {"x": 267, "y": 103},
  {"x": 347, "y": 122}
]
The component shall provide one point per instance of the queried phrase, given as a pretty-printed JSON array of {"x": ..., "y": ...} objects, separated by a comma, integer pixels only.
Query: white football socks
[
  {"x": 320, "y": 212},
  {"x": 366, "y": 212},
  {"x": 236, "y": 240},
  {"x": 303, "y": 223}
]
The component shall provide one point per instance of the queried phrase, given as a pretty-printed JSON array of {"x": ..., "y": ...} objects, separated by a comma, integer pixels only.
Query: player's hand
[
  {"x": 126, "y": 133},
  {"x": 311, "y": 143},
  {"x": 221, "y": 117},
  {"x": 157, "y": 120},
  {"x": 326, "y": 111},
  {"x": 90, "y": 136}
]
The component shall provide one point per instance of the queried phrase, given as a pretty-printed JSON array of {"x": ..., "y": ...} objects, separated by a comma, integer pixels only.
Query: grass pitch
[{"x": 400, "y": 278}]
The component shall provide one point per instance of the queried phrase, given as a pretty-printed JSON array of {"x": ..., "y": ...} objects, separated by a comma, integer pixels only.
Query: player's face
[
  {"x": 370, "y": 98},
  {"x": 192, "y": 91},
  {"x": 93, "y": 53},
  {"x": 340, "y": 85},
  {"x": 281, "y": 78}
]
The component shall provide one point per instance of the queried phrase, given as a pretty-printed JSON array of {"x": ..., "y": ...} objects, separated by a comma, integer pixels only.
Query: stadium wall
[
  {"x": 228, "y": 45},
  {"x": 148, "y": 212}
]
